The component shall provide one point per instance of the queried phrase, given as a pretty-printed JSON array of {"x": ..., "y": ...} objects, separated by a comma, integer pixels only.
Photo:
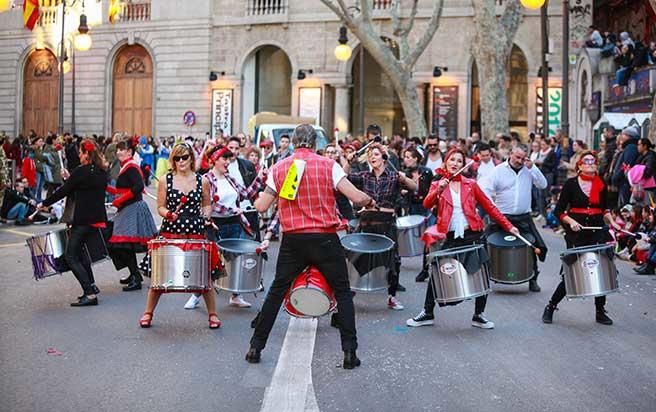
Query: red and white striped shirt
[{"x": 314, "y": 210}]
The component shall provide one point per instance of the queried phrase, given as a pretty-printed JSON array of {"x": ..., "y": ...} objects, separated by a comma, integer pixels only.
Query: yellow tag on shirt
[{"x": 290, "y": 185}]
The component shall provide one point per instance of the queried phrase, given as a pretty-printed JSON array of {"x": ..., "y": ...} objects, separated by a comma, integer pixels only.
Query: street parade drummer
[
  {"x": 510, "y": 185},
  {"x": 309, "y": 222},
  {"x": 583, "y": 203},
  {"x": 458, "y": 224}
]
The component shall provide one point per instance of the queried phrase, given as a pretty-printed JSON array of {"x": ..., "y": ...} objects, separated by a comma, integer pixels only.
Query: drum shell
[
  {"x": 376, "y": 279},
  {"x": 310, "y": 296},
  {"x": 452, "y": 283},
  {"x": 409, "y": 231},
  {"x": 511, "y": 264},
  {"x": 244, "y": 269},
  {"x": 592, "y": 274},
  {"x": 178, "y": 270}
]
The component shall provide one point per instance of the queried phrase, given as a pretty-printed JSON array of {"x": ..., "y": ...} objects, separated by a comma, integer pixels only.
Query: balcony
[
  {"x": 381, "y": 4},
  {"x": 266, "y": 7},
  {"x": 133, "y": 11}
]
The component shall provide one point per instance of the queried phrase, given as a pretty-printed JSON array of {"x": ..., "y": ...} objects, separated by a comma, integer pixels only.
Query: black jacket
[
  {"x": 247, "y": 170},
  {"x": 604, "y": 166},
  {"x": 12, "y": 198},
  {"x": 649, "y": 160},
  {"x": 87, "y": 183},
  {"x": 425, "y": 179}
]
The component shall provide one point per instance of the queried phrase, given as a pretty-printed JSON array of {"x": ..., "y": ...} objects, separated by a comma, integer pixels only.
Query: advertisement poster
[
  {"x": 309, "y": 103},
  {"x": 445, "y": 112},
  {"x": 221, "y": 111},
  {"x": 554, "y": 111}
]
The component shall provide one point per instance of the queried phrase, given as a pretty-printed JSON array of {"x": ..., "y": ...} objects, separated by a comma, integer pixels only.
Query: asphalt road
[{"x": 103, "y": 361}]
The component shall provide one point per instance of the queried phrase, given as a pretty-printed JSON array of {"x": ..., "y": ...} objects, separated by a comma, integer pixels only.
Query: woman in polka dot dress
[{"x": 183, "y": 202}]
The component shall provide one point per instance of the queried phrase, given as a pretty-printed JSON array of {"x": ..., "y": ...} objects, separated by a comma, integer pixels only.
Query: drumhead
[
  {"x": 404, "y": 222},
  {"x": 238, "y": 246},
  {"x": 458, "y": 250},
  {"x": 367, "y": 243},
  {"x": 505, "y": 239},
  {"x": 588, "y": 248}
]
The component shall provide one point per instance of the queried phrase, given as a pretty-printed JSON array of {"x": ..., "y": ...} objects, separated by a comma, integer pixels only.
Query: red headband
[
  {"x": 88, "y": 147},
  {"x": 219, "y": 153}
]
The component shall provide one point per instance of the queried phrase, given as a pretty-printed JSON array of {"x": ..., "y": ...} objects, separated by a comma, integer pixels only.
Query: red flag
[{"x": 30, "y": 13}]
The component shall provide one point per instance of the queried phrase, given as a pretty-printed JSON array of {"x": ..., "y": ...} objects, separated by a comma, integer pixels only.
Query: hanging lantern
[
  {"x": 82, "y": 39},
  {"x": 343, "y": 50}
]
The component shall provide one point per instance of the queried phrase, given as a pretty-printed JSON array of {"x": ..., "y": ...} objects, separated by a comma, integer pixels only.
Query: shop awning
[{"x": 621, "y": 120}]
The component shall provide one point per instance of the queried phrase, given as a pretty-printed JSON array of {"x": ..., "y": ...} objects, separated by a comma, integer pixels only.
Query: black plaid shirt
[{"x": 384, "y": 189}]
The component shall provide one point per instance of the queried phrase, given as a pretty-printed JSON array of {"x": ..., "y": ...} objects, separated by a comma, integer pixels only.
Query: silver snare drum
[
  {"x": 451, "y": 281},
  {"x": 368, "y": 257},
  {"x": 243, "y": 262},
  {"x": 180, "y": 265},
  {"x": 589, "y": 271},
  {"x": 409, "y": 231}
]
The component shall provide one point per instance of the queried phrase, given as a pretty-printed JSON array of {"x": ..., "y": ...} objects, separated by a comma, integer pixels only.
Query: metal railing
[
  {"x": 48, "y": 12},
  {"x": 266, "y": 7},
  {"x": 134, "y": 11},
  {"x": 382, "y": 4}
]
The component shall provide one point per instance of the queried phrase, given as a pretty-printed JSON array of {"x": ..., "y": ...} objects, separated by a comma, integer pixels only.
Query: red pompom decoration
[
  {"x": 183, "y": 200},
  {"x": 88, "y": 147},
  {"x": 58, "y": 147},
  {"x": 147, "y": 168},
  {"x": 215, "y": 199}
]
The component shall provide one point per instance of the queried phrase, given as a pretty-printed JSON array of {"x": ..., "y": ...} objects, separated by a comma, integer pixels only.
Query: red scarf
[{"x": 597, "y": 187}]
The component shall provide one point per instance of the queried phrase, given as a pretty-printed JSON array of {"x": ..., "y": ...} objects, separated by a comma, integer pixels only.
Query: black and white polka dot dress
[{"x": 189, "y": 224}]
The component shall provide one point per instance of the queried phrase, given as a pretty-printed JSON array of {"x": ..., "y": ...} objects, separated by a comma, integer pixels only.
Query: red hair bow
[{"x": 88, "y": 146}]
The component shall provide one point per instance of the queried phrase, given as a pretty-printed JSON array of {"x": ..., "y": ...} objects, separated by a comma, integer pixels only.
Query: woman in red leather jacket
[{"x": 458, "y": 224}]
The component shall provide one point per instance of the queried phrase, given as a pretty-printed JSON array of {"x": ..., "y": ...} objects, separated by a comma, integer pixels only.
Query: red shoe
[
  {"x": 214, "y": 324},
  {"x": 145, "y": 320}
]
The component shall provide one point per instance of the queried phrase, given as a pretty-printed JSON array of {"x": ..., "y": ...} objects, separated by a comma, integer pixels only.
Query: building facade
[{"x": 225, "y": 60}]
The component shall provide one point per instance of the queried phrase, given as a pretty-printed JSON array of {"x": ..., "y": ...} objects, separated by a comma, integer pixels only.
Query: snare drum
[
  {"x": 409, "y": 231},
  {"x": 368, "y": 257},
  {"x": 310, "y": 295},
  {"x": 451, "y": 281},
  {"x": 511, "y": 260},
  {"x": 243, "y": 263},
  {"x": 48, "y": 250},
  {"x": 180, "y": 265},
  {"x": 589, "y": 271}
]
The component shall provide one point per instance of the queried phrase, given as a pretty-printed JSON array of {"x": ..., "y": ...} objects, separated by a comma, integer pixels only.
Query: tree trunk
[
  {"x": 652, "y": 122},
  {"x": 494, "y": 103},
  {"x": 414, "y": 116},
  {"x": 653, "y": 5}
]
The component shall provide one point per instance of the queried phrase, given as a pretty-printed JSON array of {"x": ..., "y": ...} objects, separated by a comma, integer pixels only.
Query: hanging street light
[
  {"x": 532, "y": 4},
  {"x": 82, "y": 39},
  {"x": 343, "y": 50}
]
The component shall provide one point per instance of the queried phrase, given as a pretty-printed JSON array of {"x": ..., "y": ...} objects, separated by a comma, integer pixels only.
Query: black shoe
[
  {"x": 85, "y": 301},
  {"x": 422, "y": 276},
  {"x": 648, "y": 269},
  {"x": 134, "y": 285},
  {"x": 253, "y": 355},
  {"x": 547, "y": 315},
  {"x": 94, "y": 290},
  {"x": 126, "y": 280},
  {"x": 400, "y": 288},
  {"x": 333, "y": 321},
  {"x": 351, "y": 359},
  {"x": 533, "y": 286},
  {"x": 603, "y": 318}
]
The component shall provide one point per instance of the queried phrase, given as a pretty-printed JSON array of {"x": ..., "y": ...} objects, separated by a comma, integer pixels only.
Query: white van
[{"x": 272, "y": 132}]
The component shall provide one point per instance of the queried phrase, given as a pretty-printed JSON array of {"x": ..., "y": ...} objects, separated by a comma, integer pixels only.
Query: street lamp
[
  {"x": 83, "y": 40},
  {"x": 343, "y": 50}
]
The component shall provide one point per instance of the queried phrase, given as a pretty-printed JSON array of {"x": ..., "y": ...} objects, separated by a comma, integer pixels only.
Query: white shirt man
[{"x": 486, "y": 163}]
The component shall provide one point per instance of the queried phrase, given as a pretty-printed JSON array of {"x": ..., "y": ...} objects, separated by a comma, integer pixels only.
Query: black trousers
[
  {"x": 77, "y": 257},
  {"x": 297, "y": 251},
  {"x": 469, "y": 239}
]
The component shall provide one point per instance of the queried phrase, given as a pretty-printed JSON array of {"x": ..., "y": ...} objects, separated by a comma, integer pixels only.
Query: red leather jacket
[{"x": 471, "y": 195}]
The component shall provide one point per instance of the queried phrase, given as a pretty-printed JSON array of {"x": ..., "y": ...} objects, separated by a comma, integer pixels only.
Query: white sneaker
[
  {"x": 394, "y": 303},
  {"x": 193, "y": 302},
  {"x": 239, "y": 302},
  {"x": 479, "y": 321}
]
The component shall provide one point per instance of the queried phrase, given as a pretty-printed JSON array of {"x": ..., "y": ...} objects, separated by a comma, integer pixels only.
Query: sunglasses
[
  {"x": 179, "y": 158},
  {"x": 432, "y": 145},
  {"x": 589, "y": 161}
]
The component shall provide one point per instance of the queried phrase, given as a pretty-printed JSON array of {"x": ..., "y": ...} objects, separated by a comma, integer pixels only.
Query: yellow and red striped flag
[
  {"x": 30, "y": 13},
  {"x": 6, "y": 5},
  {"x": 114, "y": 11}
]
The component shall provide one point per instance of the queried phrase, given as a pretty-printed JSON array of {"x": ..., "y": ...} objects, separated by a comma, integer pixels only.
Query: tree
[
  {"x": 491, "y": 48},
  {"x": 400, "y": 69}
]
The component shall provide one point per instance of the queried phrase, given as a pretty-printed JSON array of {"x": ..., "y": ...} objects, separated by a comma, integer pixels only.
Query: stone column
[{"x": 342, "y": 109}]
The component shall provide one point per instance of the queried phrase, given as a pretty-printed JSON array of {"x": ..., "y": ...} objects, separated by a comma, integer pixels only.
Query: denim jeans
[
  {"x": 38, "y": 190},
  {"x": 18, "y": 212}
]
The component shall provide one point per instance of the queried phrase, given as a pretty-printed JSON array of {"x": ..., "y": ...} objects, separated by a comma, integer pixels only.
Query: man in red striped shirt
[{"x": 309, "y": 224}]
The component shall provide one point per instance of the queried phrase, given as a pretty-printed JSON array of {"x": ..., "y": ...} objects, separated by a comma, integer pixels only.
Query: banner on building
[
  {"x": 309, "y": 103},
  {"x": 221, "y": 112},
  {"x": 554, "y": 111},
  {"x": 445, "y": 112}
]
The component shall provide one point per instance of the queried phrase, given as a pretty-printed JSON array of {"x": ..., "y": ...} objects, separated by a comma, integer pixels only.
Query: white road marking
[{"x": 291, "y": 384}]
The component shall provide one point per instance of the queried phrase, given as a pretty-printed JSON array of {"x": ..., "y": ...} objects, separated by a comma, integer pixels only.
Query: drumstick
[
  {"x": 151, "y": 196},
  {"x": 523, "y": 239},
  {"x": 462, "y": 169}
]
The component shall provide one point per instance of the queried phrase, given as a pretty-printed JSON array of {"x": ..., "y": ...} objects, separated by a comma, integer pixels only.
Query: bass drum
[
  {"x": 180, "y": 265},
  {"x": 511, "y": 260},
  {"x": 589, "y": 271},
  {"x": 243, "y": 263},
  {"x": 368, "y": 256},
  {"x": 310, "y": 295},
  {"x": 451, "y": 280}
]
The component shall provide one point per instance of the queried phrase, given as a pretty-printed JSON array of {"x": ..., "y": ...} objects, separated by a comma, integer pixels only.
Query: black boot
[
  {"x": 547, "y": 315},
  {"x": 533, "y": 285},
  {"x": 602, "y": 317},
  {"x": 400, "y": 288},
  {"x": 253, "y": 355},
  {"x": 135, "y": 283},
  {"x": 647, "y": 269},
  {"x": 333, "y": 321},
  {"x": 422, "y": 276},
  {"x": 351, "y": 359},
  {"x": 126, "y": 280}
]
